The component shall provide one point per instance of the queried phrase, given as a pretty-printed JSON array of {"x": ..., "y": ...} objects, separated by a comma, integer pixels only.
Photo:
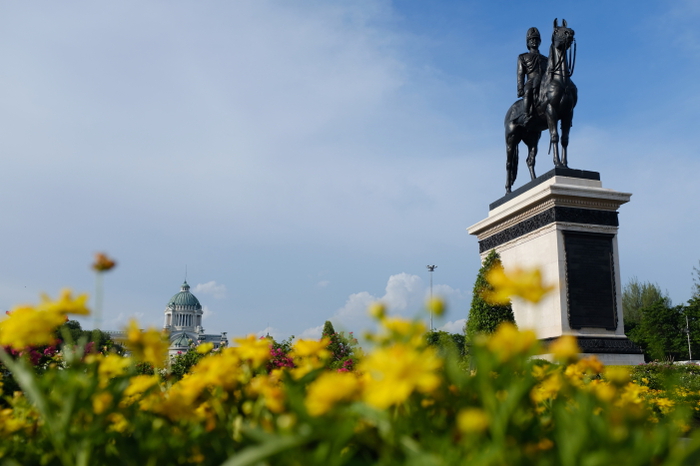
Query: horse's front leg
[{"x": 553, "y": 135}]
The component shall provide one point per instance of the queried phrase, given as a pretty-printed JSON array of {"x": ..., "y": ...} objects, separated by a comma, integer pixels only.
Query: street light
[
  {"x": 687, "y": 333},
  {"x": 431, "y": 269}
]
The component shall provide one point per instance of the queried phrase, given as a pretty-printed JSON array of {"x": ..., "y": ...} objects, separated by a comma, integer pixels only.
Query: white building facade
[{"x": 183, "y": 322}]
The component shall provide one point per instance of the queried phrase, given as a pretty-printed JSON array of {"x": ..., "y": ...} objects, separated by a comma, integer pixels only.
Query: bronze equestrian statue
[{"x": 549, "y": 96}]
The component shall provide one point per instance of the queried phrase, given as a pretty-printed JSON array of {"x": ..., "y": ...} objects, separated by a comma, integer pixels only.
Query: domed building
[{"x": 183, "y": 321}]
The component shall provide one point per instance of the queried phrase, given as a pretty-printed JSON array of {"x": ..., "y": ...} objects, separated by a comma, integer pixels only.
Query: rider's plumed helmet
[{"x": 533, "y": 33}]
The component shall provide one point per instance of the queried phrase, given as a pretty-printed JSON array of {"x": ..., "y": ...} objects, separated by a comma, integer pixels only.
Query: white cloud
[
  {"x": 447, "y": 293},
  {"x": 405, "y": 295},
  {"x": 116, "y": 323},
  {"x": 454, "y": 327},
  {"x": 323, "y": 283},
  {"x": 355, "y": 307},
  {"x": 206, "y": 312},
  {"x": 215, "y": 289},
  {"x": 313, "y": 333},
  {"x": 403, "y": 292}
]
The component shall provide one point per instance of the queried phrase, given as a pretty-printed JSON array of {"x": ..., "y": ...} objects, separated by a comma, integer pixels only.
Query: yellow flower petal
[{"x": 525, "y": 284}]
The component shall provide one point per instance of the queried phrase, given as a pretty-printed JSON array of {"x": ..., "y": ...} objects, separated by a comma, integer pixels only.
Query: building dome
[
  {"x": 181, "y": 340},
  {"x": 184, "y": 299},
  {"x": 183, "y": 321}
]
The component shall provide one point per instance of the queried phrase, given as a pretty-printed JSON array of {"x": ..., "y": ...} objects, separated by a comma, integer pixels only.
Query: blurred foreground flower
[
  {"x": 329, "y": 389},
  {"x": 103, "y": 263},
  {"x": 149, "y": 346},
  {"x": 396, "y": 371},
  {"x": 436, "y": 306},
  {"x": 34, "y": 326},
  {"x": 254, "y": 349},
  {"x": 508, "y": 342},
  {"x": 472, "y": 420},
  {"x": 65, "y": 304},
  {"x": 377, "y": 310},
  {"x": 565, "y": 349},
  {"x": 525, "y": 284}
]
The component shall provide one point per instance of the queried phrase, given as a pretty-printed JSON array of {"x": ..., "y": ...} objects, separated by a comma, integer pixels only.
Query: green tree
[
  {"x": 77, "y": 334},
  {"x": 661, "y": 330},
  {"x": 483, "y": 316},
  {"x": 447, "y": 343},
  {"x": 341, "y": 348},
  {"x": 182, "y": 363},
  {"x": 692, "y": 311},
  {"x": 696, "y": 282},
  {"x": 636, "y": 296}
]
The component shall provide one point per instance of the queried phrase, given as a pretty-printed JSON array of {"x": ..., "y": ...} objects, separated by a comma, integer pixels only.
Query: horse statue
[{"x": 555, "y": 102}]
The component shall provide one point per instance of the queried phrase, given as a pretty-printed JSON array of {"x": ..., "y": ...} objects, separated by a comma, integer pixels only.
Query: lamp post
[
  {"x": 687, "y": 333},
  {"x": 431, "y": 269}
]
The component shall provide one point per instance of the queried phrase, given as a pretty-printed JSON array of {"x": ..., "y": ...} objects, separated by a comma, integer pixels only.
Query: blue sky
[{"x": 303, "y": 159}]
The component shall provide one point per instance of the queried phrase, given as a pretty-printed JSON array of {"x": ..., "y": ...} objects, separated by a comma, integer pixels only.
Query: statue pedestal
[{"x": 565, "y": 223}]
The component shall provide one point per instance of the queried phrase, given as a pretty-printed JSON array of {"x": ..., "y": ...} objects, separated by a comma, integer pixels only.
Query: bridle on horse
[
  {"x": 570, "y": 61},
  {"x": 557, "y": 69}
]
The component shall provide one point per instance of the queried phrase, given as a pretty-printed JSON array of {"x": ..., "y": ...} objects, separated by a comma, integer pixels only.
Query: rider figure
[{"x": 533, "y": 65}]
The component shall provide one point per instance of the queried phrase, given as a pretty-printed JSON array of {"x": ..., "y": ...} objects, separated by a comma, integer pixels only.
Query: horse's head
[{"x": 562, "y": 37}]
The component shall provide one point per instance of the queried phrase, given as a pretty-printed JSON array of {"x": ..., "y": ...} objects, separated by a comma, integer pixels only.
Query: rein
[
  {"x": 557, "y": 69},
  {"x": 570, "y": 61},
  {"x": 572, "y": 58}
]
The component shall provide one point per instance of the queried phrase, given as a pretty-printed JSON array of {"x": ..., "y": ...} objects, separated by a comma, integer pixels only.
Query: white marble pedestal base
[{"x": 565, "y": 223}]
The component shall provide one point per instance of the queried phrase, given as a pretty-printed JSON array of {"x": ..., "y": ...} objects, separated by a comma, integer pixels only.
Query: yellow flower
[
  {"x": 271, "y": 391},
  {"x": 111, "y": 366},
  {"x": 377, "y": 310},
  {"x": 254, "y": 349},
  {"x": 632, "y": 394},
  {"x": 539, "y": 372},
  {"x": 604, "y": 391},
  {"x": 617, "y": 375},
  {"x": 548, "y": 389},
  {"x": 580, "y": 373},
  {"x": 205, "y": 348},
  {"x": 401, "y": 329},
  {"x": 329, "y": 389},
  {"x": 103, "y": 263},
  {"x": 508, "y": 342},
  {"x": 305, "y": 348},
  {"x": 101, "y": 401},
  {"x": 119, "y": 423},
  {"x": 394, "y": 372},
  {"x": 65, "y": 304},
  {"x": 148, "y": 346},
  {"x": 436, "y": 306},
  {"x": 472, "y": 421},
  {"x": 565, "y": 348},
  {"x": 34, "y": 326},
  {"x": 139, "y": 384},
  {"x": 10, "y": 423},
  {"x": 221, "y": 370},
  {"x": 542, "y": 445},
  {"x": 27, "y": 326},
  {"x": 525, "y": 284}
]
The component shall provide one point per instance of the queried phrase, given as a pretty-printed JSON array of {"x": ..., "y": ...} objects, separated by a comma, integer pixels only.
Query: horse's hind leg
[
  {"x": 511, "y": 160},
  {"x": 565, "y": 129},
  {"x": 532, "y": 139}
]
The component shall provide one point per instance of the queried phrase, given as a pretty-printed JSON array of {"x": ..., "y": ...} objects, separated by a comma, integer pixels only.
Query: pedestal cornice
[{"x": 557, "y": 192}]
